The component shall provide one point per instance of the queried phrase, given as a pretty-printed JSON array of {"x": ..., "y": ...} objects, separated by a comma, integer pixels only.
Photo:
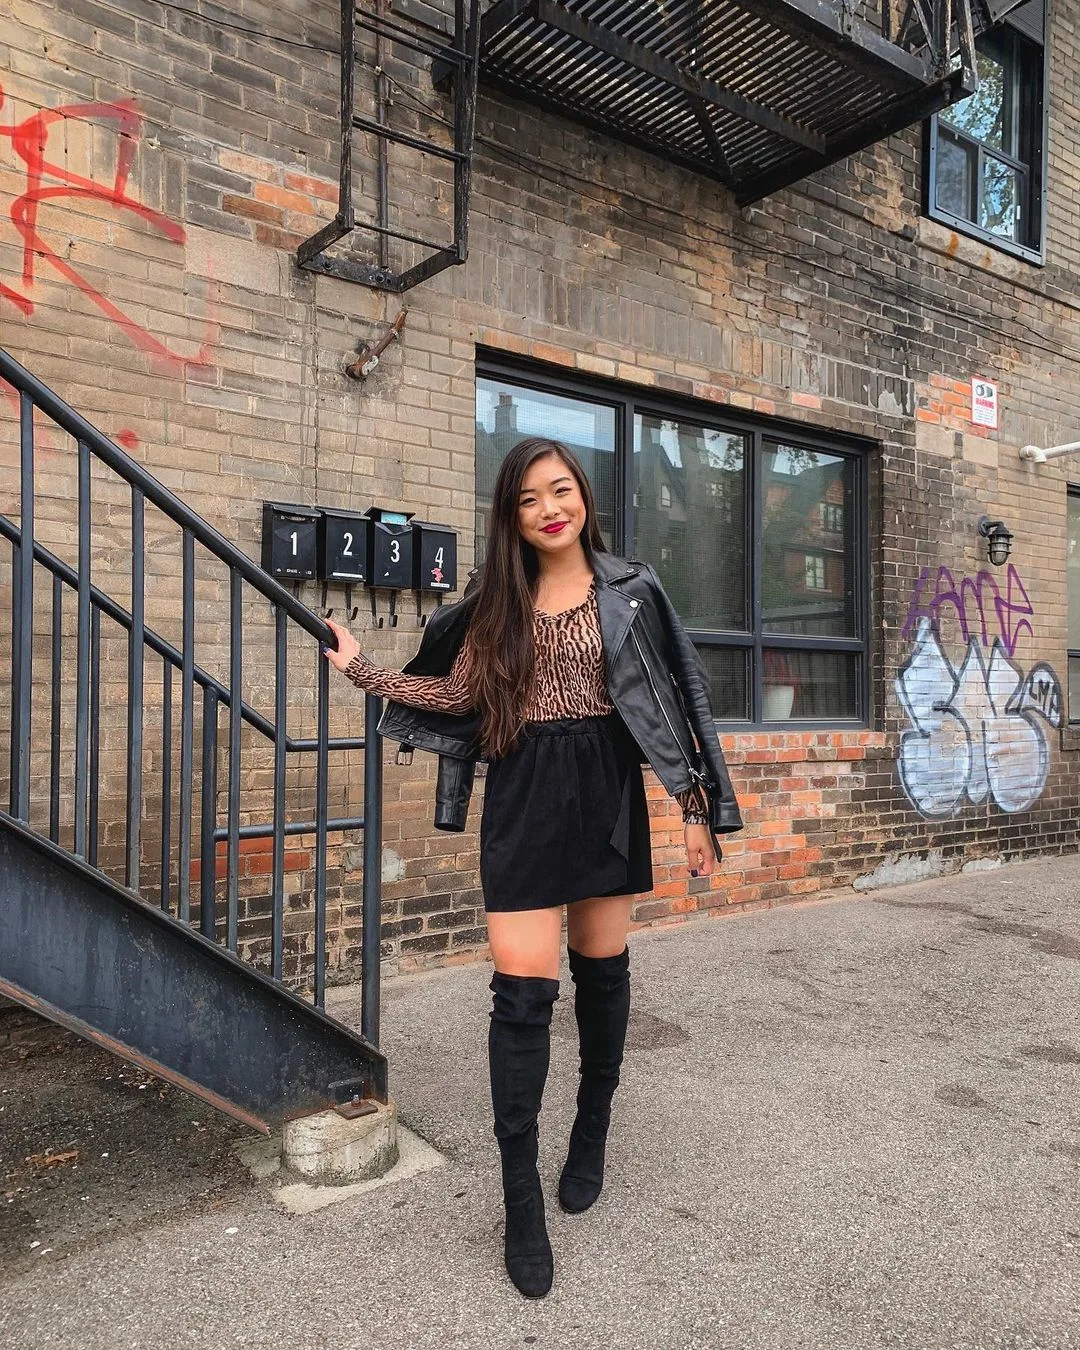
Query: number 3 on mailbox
[{"x": 391, "y": 549}]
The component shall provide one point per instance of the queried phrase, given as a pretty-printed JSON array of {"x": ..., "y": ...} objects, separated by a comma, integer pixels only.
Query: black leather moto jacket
[{"x": 655, "y": 679}]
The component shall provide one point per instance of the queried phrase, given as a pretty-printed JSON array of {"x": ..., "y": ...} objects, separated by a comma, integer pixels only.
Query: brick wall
[{"x": 164, "y": 302}]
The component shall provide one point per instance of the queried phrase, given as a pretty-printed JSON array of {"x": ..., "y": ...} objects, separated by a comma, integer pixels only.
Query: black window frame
[
  {"x": 630, "y": 400},
  {"x": 1034, "y": 168}
]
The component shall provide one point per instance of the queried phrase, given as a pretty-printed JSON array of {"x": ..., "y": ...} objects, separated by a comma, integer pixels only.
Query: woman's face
[{"x": 551, "y": 511}]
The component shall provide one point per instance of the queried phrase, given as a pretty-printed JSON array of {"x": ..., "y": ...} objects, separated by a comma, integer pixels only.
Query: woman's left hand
[
  {"x": 347, "y": 647},
  {"x": 700, "y": 855}
]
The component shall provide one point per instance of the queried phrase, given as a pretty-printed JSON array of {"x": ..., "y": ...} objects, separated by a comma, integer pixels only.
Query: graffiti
[
  {"x": 1042, "y": 694},
  {"x": 978, "y": 733},
  {"x": 50, "y": 182},
  {"x": 977, "y": 606}
]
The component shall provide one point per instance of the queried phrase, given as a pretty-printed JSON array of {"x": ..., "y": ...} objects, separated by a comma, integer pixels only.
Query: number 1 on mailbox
[{"x": 289, "y": 540}]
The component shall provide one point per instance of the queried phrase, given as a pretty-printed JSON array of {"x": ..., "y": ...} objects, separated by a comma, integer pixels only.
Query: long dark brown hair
[{"x": 503, "y": 675}]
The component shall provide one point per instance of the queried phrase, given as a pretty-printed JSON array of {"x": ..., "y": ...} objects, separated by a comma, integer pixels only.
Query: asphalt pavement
[{"x": 847, "y": 1125}]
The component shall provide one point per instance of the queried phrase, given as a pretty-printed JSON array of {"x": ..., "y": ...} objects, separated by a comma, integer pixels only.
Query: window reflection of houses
[
  {"x": 688, "y": 488},
  {"x": 806, "y": 580},
  {"x": 806, "y": 574}
]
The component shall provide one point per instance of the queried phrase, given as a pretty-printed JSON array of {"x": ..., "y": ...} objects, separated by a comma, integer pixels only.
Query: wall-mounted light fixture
[{"x": 998, "y": 539}]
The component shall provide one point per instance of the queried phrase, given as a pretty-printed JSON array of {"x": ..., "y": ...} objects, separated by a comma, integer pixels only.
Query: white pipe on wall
[{"x": 1034, "y": 454}]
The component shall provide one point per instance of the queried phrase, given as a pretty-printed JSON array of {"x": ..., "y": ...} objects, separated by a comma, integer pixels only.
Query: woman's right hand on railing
[{"x": 347, "y": 647}]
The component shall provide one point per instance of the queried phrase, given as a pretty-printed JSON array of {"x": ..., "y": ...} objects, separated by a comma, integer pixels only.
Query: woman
[{"x": 564, "y": 668}]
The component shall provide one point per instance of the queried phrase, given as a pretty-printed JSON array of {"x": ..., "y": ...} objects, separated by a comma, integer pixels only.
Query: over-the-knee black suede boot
[
  {"x": 519, "y": 1049},
  {"x": 602, "y": 1007}
]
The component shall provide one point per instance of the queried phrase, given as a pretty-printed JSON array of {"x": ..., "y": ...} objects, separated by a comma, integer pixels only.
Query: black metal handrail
[
  {"x": 92, "y": 605},
  {"x": 163, "y": 648},
  {"x": 159, "y": 495}
]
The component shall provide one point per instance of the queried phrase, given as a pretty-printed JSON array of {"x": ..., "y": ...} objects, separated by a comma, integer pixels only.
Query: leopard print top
[{"x": 570, "y": 680}]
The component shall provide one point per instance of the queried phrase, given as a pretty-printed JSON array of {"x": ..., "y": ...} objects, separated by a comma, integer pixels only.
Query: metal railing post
[
  {"x": 136, "y": 657},
  {"x": 23, "y": 620},
  {"x": 208, "y": 804},
  {"x": 371, "y": 954}
]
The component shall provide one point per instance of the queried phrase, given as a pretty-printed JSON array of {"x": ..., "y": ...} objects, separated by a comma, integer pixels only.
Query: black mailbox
[
  {"x": 434, "y": 556},
  {"x": 344, "y": 546},
  {"x": 289, "y": 540},
  {"x": 391, "y": 549}
]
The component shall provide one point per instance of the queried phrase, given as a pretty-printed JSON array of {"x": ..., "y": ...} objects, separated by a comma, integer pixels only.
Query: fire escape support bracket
[
  {"x": 459, "y": 57},
  {"x": 701, "y": 112},
  {"x": 903, "y": 113}
]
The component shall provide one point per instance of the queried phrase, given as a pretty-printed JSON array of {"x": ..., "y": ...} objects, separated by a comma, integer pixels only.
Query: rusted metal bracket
[
  {"x": 368, "y": 356},
  {"x": 358, "y": 1107},
  {"x": 351, "y": 1102}
]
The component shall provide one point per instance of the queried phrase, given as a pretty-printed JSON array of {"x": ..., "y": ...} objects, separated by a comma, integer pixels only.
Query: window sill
[
  {"x": 798, "y": 746},
  {"x": 952, "y": 226}
]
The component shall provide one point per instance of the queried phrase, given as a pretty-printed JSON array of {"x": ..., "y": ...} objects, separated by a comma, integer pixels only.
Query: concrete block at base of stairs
[{"x": 332, "y": 1150}]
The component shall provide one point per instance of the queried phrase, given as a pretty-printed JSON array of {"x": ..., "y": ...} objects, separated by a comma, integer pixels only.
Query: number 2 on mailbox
[{"x": 343, "y": 546}]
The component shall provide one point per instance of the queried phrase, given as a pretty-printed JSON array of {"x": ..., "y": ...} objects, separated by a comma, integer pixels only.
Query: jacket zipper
[{"x": 695, "y": 774}]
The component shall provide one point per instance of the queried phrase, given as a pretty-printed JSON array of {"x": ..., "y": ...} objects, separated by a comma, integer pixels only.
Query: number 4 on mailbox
[{"x": 435, "y": 551}]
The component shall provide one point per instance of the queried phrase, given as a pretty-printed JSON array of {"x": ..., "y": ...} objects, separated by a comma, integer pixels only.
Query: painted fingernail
[{"x": 693, "y": 871}]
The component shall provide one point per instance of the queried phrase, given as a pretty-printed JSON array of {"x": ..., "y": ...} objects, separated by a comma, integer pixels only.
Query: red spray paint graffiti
[{"x": 47, "y": 181}]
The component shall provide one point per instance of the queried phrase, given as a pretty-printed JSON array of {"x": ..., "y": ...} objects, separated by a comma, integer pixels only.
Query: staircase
[{"x": 148, "y": 900}]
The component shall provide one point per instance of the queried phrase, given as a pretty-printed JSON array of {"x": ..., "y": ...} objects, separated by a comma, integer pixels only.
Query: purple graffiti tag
[{"x": 977, "y": 604}]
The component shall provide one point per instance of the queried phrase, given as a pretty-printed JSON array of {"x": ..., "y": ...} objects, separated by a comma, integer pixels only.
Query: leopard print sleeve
[
  {"x": 695, "y": 805},
  {"x": 433, "y": 693}
]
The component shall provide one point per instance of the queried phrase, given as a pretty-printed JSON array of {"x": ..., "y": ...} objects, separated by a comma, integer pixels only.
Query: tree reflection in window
[{"x": 986, "y": 148}]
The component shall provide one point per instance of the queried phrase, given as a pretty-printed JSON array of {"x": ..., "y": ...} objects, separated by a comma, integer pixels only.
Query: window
[
  {"x": 1073, "y": 573},
  {"x": 986, "y": 153},
  {"x": 815, "y": 572},
  {"x": 759, "y": 538}
]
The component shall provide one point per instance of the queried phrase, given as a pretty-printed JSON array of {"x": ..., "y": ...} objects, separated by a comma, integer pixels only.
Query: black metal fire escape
[{"x": 755, "y": 93}]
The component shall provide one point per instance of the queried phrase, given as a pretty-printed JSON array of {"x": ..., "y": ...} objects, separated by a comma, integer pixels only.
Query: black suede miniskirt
[{"x": 565, "y": 817}]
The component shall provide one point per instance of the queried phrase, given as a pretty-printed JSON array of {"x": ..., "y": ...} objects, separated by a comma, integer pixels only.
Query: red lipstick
[{"x": 554, "y": 529}]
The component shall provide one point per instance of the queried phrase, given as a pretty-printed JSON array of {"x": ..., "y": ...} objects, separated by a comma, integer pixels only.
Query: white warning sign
[{"x": 984, "y": 402}]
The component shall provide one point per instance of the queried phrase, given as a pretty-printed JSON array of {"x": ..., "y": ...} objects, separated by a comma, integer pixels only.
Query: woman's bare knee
[
  {"x": 598, "y": 926},
  {"x": 527, "y": 942}
]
